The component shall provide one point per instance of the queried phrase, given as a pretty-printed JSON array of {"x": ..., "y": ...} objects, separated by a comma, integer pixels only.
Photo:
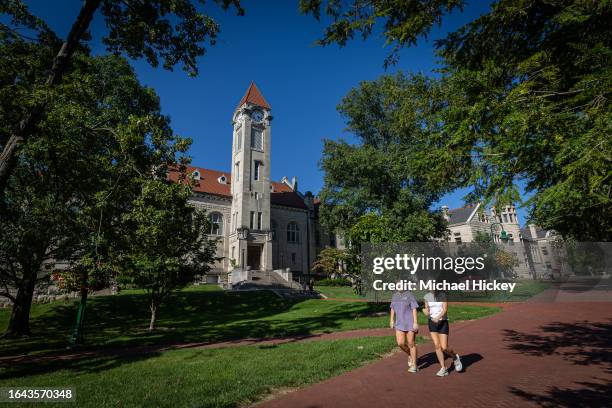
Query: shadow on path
[
  {"x": 467, "y": 360},
  {"x": 581, "y": 343}
]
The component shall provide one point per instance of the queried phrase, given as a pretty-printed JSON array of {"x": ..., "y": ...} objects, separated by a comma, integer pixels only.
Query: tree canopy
[{"x": 522, "y": 97}]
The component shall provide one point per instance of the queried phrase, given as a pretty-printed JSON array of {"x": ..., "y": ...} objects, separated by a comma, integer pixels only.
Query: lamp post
[{"x": 503, "y": 235}]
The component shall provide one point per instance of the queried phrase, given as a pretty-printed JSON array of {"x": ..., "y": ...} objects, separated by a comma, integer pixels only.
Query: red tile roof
[
  {"x": 281, "y": 194},
  {"x": 255, "y": 97}
]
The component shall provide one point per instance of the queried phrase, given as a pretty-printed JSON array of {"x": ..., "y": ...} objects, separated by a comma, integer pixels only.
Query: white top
[{"x": 435, "y": 305}]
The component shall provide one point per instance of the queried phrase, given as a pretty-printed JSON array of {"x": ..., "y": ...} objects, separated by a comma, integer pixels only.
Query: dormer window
[
  {"x": 196, "y": 175},
  {"x": 222, "y": 179}
]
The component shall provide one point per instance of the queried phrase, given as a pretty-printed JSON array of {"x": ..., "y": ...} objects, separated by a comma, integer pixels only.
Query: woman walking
[
  {"x": 436, "y": 306},
  {"x": 404, "y": 321}
]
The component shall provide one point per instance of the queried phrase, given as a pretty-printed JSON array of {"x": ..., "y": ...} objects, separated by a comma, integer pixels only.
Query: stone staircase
[{"x": 269, "y": 280}]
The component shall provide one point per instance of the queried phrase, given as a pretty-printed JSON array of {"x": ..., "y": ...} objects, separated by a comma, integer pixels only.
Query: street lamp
[{"x": 503, "y": 235}]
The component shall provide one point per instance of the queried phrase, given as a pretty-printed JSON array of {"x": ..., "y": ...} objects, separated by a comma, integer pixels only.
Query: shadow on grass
[
  {"x": 189, "y": 316},
  {"x": 580, "y": 343},
  {"x": 75, "y": 366}
]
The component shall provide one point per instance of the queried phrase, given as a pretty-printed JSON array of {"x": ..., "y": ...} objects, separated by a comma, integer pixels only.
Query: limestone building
[
  {"x": 259, "y": 224},
  {"x": 531, "y": 245}
]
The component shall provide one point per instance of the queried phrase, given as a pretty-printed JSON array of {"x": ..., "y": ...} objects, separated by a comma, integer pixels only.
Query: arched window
[
  {"x": 273, "y": 228},
  {"x": 216, "y": 223},
  {"x": 293, "y": 233}
]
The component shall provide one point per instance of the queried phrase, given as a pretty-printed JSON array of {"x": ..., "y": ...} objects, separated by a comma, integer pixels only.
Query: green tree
[
  {"x": 64, "y": 200},
  {"x": 173, "y": 31},
  {"x": 523, "y": 97},
  {"x": 405, "y": 21},
  {"x": 330, "y": 261},
  {"x": 166, "y": 241},
  {"x": 371, "y": 189}
]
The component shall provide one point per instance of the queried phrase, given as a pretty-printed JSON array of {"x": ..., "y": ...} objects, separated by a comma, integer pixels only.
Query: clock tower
[{"x": 250, "y": 238}]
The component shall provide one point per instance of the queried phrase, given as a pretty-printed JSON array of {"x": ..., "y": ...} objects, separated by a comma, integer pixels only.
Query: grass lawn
[
  {"x": 338, "y": 292},
  {"x": 200, "y": 314},
  {"x": 227, "y": 377}
]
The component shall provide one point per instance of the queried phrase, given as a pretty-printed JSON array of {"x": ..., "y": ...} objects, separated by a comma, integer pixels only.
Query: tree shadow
[
  {"x": 78, "y": 366},
  {"x": 116, "y": 332},
  {"x": 590, "y": 394},
  {"x": 580, "y": 343}
]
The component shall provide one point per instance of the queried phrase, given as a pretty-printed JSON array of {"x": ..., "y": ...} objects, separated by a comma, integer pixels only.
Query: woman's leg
[
  {"x": 412, "y": 347},
  {"x": 444, "y": 346},
  {"x": 435, "y": 337},
  {"x": 402, "y": 342}
]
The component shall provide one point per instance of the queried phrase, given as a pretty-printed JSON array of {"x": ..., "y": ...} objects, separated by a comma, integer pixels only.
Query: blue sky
[{"x": 273, "y": 46}]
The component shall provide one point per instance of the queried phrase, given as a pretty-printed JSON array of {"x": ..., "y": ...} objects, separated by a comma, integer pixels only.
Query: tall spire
[{"x": 254, "y": 97}]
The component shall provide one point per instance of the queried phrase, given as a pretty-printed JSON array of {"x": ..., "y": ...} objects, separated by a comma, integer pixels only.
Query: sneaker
[
  {"x": 443, "y": 372},
  {"x": 412, "y": 369},
  {"x": 457, "y": 363}
]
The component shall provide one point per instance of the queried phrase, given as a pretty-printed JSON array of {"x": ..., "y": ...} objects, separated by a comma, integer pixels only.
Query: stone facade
[
  {"x": 259, "y": 224},
  {"x": 533, "y": 254}
]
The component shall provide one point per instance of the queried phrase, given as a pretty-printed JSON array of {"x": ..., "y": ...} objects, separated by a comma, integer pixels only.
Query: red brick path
[{"x": 531, "y": 354}]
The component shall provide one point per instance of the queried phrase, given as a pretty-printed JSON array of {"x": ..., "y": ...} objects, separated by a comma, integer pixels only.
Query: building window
[
  {"x": 259, "y": 220},
  {"x": 293, "y": 233},
  {"x": 544, "y": 251},
  {"x": 293, "y": 258},
  {"x": 216, "y": 223},
  {"x": 237, "y": 170},
  {"x": 252, "y": 221},
  {"x": 457, "y": 240},
  {"x": 505, "y": 217},
  {"x": 273, "y": 229},
  {"x": 239, "y": 144},
  {"x": 257, "y": 170},
  {"x": 256, "y": 139},
  {"x": 332, "y": 240}
]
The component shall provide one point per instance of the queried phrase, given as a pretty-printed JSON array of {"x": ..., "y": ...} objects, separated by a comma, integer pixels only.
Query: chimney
[{"x": 533, "y": 230}]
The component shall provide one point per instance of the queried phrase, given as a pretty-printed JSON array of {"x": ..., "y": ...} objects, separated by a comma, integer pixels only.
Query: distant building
[
  {"x": 531, "y": 245},
  {"x": 544, "y": 256}
]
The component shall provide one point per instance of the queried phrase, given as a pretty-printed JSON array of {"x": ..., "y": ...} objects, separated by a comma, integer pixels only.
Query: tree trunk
[
  {"x": 19, "y": 323},
  {"x": 8, "y": 157},
  {"x": 153, "y": 316}
]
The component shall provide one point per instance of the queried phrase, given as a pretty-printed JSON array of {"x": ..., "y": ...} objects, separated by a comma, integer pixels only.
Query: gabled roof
[
  {"x": 461, "y": 215},
  {"x": 253, "y": 96},
  {"x": 208, "y": 183}
]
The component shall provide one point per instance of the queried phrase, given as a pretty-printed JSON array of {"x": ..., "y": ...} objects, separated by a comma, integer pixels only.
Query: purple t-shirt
[{"x": 402, "y": 304}]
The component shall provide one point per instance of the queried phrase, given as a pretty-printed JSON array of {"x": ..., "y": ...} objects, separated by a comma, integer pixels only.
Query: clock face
[{"x": 257, "y": 116}]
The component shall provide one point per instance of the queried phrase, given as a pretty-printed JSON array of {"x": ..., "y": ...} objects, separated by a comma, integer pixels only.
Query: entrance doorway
[{"x": 254, "y": 256}]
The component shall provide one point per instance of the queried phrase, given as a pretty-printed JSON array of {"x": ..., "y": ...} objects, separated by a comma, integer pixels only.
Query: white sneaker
[
  {"x": 457, "y": 363},
  {"x": 443, "y": 372},
  {"x": 412, "y": 369}
]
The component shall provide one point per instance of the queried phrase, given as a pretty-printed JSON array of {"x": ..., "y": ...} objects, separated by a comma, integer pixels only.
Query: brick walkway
[{"x": 532, "y": 354}]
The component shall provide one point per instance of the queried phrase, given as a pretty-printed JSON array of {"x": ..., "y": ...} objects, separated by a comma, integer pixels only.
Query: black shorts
[{"x": 440, "y": 327}]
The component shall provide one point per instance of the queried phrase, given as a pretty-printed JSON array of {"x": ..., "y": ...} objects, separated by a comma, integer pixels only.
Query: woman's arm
[
  {"x": 443, "y": 311},
  {"x": 415, "y": 324},
  {"x": 392, "y": 318},
  {"x": 426, "y": 308}
]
